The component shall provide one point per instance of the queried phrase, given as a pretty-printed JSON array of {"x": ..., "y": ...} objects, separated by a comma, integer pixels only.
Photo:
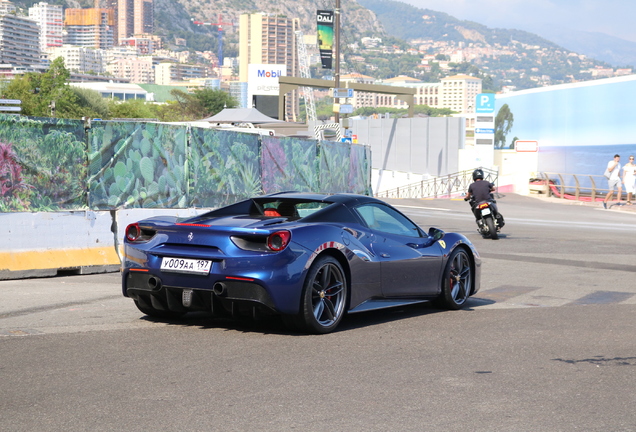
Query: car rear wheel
[
  {"x": 457, "y": 281},
  {"x": 156, "y": 313},
  {"x": 324, "y": 297}
]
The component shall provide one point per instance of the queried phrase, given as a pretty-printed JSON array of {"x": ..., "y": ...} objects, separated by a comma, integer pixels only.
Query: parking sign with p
[{"x": 485, "y": 103}]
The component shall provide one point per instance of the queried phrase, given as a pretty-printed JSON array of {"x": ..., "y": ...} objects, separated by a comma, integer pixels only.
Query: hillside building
[
  {"x": 89, "y": 27},
  {"x": 19, "y": 41},
  {"x": 145, "y": 45},
  {"x": 167, "y": 73},
  {"x": 6, "y": 7},
  {"x": 79, "y": 59},
  {"x": 50, "y": 19},
  {"x": 138, "y": 70}
]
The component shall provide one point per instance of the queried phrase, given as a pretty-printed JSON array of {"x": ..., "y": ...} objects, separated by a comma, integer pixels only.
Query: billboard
[
  {"x": 324, "y": 19},
  {"x": 262, "y": 80}
]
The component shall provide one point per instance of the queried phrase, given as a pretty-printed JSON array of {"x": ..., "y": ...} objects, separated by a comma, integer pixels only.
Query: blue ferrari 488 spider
[{"x": 311, "y": 258}]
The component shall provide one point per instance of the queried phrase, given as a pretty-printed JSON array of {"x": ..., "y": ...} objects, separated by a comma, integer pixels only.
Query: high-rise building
[
  {"x": 50, "y": 19},
  {"x": 134, "y": 17},
  {"x": 19, "y": 41},
  {"x": 269, "y": 39},
  {"x": 89, "y": 27}
]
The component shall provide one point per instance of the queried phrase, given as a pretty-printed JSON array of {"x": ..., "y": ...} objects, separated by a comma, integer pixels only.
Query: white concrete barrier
[{"x": 81, "y": 242}]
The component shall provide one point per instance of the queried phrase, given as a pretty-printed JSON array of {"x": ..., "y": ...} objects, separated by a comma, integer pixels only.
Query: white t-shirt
[{"x": 615, "y": 171}]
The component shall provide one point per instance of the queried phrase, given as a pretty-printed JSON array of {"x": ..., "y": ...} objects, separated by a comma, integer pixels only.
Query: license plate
[
  {"x": 185, "y": 265},
  {"x": 485, "y": 211}
]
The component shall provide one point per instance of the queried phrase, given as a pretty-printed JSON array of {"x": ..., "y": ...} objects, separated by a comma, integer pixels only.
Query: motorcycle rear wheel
[{"x": 491, "y": 228}]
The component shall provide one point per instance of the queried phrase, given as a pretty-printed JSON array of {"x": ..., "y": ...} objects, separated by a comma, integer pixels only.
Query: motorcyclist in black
[{"x": 480, "y": 191}]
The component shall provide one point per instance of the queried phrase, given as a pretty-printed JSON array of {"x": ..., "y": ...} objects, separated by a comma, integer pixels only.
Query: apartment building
[
  {"x": 79, "y": 59},
  {"x": 19, "y": 40},
  {"x": 89, "y": 27},
  {"x": 6, "y": 7},
  {"x": 167, "y": 73},
  {"x": 138, "y": 70},
  {"x": 50, "y": 19},
  {"x": 459, "y": 93}
]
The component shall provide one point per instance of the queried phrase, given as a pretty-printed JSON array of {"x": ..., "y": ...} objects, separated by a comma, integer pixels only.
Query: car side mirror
[{"x": 435, "y": 234}]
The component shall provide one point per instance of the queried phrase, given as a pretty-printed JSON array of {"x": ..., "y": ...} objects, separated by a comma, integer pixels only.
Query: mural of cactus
[
  {"x": 137, "y": 165},
  {"x": 223, "y": 167},
  {"x": 288, "y": 164},
  {"x": 53, "y": 164},
  {"x": 334, "y": 166}
]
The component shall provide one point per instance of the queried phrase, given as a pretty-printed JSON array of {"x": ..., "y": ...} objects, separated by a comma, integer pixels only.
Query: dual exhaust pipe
[{"x": 219, "y": 288}]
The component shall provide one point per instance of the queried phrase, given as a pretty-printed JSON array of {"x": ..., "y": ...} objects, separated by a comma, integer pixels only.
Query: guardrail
[
  {"x": 448, "y": 186},
  {"x": 579, "y": 187}
]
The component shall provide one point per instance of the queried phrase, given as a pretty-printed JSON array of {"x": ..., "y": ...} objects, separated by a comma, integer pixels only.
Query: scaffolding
[{"x": 303, "y": 66}]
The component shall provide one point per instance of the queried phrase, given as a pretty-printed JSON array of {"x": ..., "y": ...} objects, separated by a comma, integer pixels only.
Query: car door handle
[{"x": 385, "y": 255}]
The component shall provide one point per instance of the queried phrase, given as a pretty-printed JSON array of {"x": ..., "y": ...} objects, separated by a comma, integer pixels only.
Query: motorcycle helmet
[{"x": 478, "y": 174}]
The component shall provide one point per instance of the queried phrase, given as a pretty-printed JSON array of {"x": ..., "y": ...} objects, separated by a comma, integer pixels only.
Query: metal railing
[
  {"x": 579, "y": 187},
  {"x": 448, "y": 186}
]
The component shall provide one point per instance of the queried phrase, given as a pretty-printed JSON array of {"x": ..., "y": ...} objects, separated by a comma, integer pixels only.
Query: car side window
[{"x": 383, "y": 218}]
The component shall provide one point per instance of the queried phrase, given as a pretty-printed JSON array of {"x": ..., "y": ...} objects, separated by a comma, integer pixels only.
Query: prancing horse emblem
[{"x": 190, "y": 237}]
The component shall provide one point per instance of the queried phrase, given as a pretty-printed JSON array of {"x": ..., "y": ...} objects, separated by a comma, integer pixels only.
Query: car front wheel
[{"x": 457, "y": 280}]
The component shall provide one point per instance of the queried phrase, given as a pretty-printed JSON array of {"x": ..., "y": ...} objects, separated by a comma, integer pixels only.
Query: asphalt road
[{"x": 549, "y": 344}]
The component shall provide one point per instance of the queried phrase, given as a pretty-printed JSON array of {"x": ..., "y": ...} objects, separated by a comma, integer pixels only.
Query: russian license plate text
[{"x": 185, "y": 265}]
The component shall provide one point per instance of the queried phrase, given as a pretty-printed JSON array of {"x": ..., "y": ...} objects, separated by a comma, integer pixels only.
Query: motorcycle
[{"x": 489, "y": 220}]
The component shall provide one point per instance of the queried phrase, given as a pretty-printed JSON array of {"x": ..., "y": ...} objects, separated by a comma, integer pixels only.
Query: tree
[
  {"x": 503, "y": 124},
  {"x": 133, "y": 108},
  {"x": 90, "y": 103},
  {"x": 197, "y": 105},
  {"x": 45, "y": 94},
  {"x": 56, "y": 97}
]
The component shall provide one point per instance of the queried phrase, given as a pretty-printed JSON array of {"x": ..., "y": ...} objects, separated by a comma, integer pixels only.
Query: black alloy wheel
[{"x": 457, "y": 280}]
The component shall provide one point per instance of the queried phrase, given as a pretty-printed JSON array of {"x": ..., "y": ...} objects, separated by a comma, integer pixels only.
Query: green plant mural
[
  {"x": 53, "y": 165},
  {"x": 288, "y": 164},
  {"x": 51, "y": 154},
  {"x": 359, "y": 179},
  {"x": 137, "y": 165},
  {"x": 334, "y": 166},
  {"x": 224, "y": 167}
]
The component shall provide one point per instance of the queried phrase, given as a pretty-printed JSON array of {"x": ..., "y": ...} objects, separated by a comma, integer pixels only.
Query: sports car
[{"x": 311, "y": 258}]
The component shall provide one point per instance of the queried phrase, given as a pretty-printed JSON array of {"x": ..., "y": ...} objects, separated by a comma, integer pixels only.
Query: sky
[{"x": 612, "y": 17}]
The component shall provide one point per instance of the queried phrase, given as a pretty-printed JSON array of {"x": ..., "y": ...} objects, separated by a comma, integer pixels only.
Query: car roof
[{"x": 335, "y": 198}]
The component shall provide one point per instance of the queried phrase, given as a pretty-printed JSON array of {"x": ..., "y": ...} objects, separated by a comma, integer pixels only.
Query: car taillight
[
  {"x": 133, "y": 232},
  {"x": 278, "y": 240}
]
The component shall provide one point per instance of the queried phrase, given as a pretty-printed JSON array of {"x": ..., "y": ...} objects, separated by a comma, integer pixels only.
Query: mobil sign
[{"x": 262, "y": 79}]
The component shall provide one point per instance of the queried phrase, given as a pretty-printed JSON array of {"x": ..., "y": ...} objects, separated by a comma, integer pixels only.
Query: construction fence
[{"x": 52, "y": 165}]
